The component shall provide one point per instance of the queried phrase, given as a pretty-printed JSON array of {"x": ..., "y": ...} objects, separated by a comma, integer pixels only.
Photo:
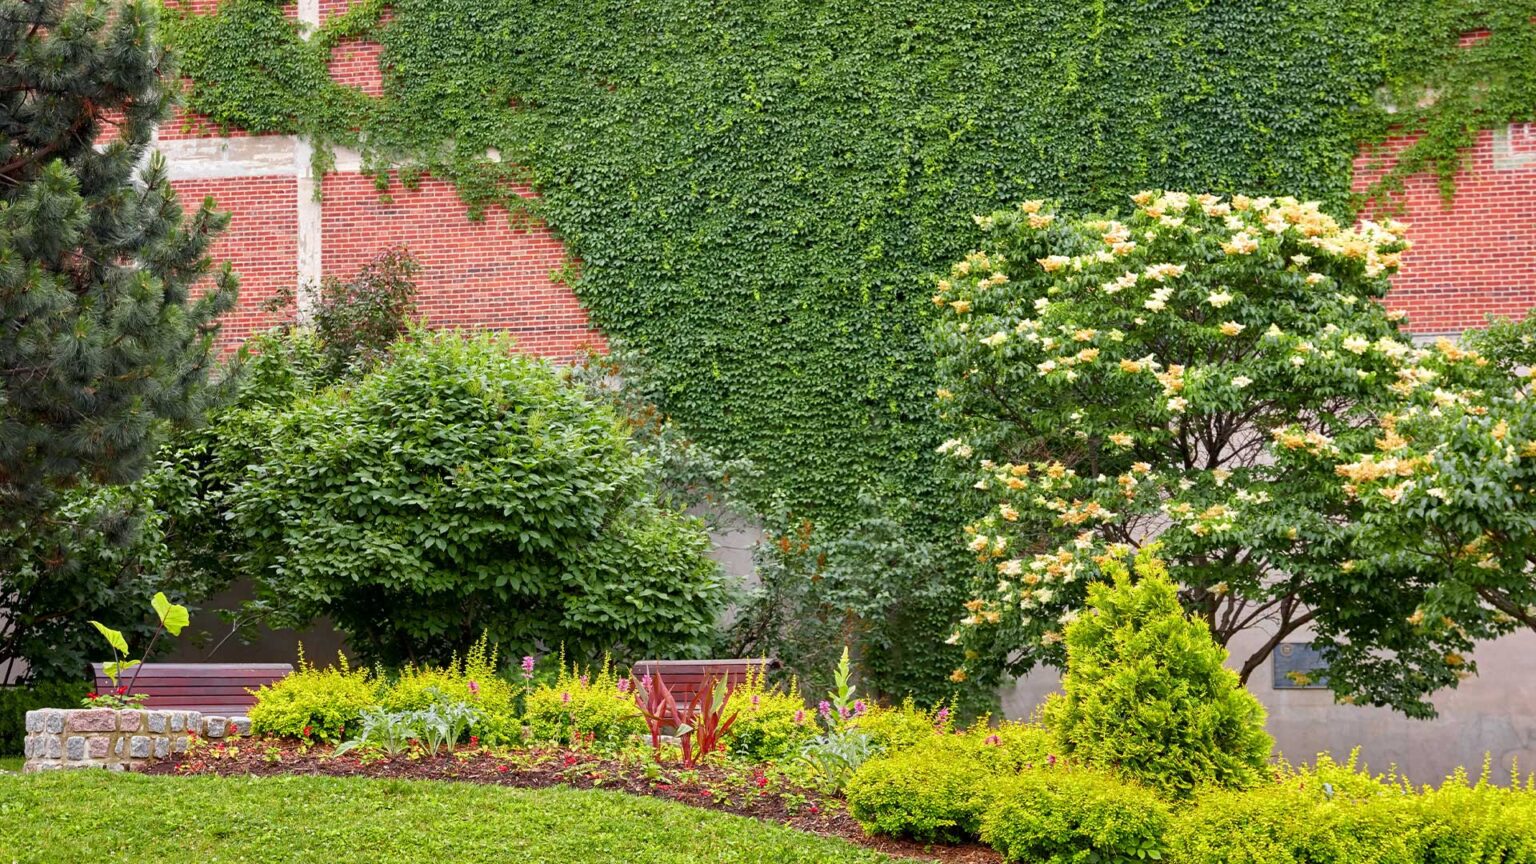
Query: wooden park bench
[
  {"x": 686, "y": 677},
  {"x": 212, "y": 688}
]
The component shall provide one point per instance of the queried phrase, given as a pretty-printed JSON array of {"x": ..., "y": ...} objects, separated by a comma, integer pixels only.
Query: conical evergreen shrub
[{"x": 1146, "y": 693}]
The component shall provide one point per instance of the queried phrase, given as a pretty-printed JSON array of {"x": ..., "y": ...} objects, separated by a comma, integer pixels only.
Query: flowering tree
[
  {"x": 1446, "y": 497},
  {"x": 1194, "y": 372}
]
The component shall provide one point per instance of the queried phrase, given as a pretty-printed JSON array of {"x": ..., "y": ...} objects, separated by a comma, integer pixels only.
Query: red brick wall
[
  {"x": 482, "y": 273},
  {"x": 1472, "y": 258},
  {"x": 1475, "y": 255},
  {"x": 261, "y": 243}
]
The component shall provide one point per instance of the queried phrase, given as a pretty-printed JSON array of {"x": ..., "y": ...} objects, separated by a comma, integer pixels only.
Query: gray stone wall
[{"x": 118, "y": 740}]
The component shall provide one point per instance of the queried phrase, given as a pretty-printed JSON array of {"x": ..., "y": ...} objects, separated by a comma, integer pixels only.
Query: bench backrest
[
  {"x": 212, "y": 688},
  {"x": 686, "y": 677}
]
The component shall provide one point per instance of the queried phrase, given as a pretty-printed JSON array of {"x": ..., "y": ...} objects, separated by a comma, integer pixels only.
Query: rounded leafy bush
[
  {"x": 930, "y": 791},
  {"x": 461, "y": 490},
  {"x": 314, "y": 704},
  {"x": 1146, "y": 693},
  {"x": 1061, "y": 815}
]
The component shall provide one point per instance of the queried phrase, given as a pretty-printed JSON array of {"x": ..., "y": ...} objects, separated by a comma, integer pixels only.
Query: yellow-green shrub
[
  {"x": 929, "y": 791},
  {"x": 902, "y": 726},
  {"x": 1060, "y": 815},
  {"x": 322, "y": 701},
  {"x": 1146, "y": 694},
  {"x": 473, "y": 680},
  {"x": 938, "y": 787},
  {"x": 584, "y": 708},
  {"x": 771, "y": 723},
  {"x": 1333, "y": 813}
]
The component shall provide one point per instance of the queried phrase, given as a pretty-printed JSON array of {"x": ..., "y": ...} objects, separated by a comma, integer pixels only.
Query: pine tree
[{"x": 106, "y": 336}]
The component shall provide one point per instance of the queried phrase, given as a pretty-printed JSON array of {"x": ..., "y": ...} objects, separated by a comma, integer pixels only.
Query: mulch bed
[{"x": 758, "y": 794}]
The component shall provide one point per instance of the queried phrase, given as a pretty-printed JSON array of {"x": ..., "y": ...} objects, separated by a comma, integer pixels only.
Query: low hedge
[
  {"x": 16, "y": 701},
  {"x": 949, "y": 789}
]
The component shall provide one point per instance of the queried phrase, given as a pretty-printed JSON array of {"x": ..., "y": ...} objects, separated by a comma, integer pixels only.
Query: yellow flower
[
  {"x": 1032, "y": 206},
  {"x": 1130, "y": 367},
  {"x": 1219, "y": 299},
  {"x": 1085, "y": 335},
  {"x": 1008, "y": 513},
  {"x": 1122, "y": 439},
  {"x": 1231, "y": 328},
  {"x": 1241, "y": 244},
  {"x": 1040, "y": 220},
  {"x": 944, "y": 393},
  {"x": 961, "y": 306},
  {"x": 1054, "y": 262},
  {"x": 957, "y": 676}
]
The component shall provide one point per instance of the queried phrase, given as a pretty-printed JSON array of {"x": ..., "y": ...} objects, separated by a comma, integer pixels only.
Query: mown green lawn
[
  {"x": 11, "y": 763},
  {"x": 95, "y": 816}
]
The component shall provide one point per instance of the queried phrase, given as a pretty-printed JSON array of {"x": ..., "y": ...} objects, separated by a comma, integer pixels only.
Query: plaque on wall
[{"x": 1298, "y": 666}]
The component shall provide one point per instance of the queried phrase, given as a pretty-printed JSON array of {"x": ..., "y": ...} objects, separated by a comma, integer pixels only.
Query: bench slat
[{"x": 212, "y": 688}]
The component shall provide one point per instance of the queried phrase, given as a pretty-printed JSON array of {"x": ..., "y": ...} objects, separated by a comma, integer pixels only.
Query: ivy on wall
[{"x": 758, "y": 191}]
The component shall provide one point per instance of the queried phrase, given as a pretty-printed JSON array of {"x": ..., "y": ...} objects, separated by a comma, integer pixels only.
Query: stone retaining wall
[{"x": 60, "y": 738}]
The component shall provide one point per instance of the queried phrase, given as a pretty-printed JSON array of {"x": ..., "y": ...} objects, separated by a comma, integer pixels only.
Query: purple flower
[
  {"x": 994, "y": 740},
  {"x": 942, "y": 717},
  {"x": 800, "y": 717},
  {"x": 843, "y": 712},
  {"x": 474, "y": 688},
  {"x": 623, "y": 685},
  {"x": 824, "y": 708},
  {"x": 756, "y": 700},
  {"x": 1050, "y": 760},
  {"x": 859, "y": 708},
  {"x": 566, "y": 697},
  {"x": 645, "y": 682},
  {"x": 583, "y": 680},
  {"x": 528, "y": 666}
]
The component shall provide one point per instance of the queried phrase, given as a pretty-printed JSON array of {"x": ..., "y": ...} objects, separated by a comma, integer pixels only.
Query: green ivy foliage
[{"x": 756, "y": 192}]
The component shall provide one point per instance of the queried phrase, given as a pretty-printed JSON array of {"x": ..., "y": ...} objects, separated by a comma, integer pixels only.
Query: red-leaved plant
[
  {"x": 706, "y": 722},
  {"x": 700, "y": 726}
]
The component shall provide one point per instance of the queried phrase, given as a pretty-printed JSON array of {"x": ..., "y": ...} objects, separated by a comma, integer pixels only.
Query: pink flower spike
[
  {"x": 800, "y": 717},
  {"x": 528, "y": 666},
  {"x": 474, "y": 688},
  {"x": 566, "y": 697},
  {"x": 859, "y": 708},
  {"x": 623, "y": 685},
  {"x": 824, "y": 708}
]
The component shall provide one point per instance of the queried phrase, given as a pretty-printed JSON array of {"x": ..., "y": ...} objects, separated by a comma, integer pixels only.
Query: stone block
[
  {"x": 178, "y": 721},
  {"x": 162, "y": 748},
  {"x": 194, "y": 720},
  {"x": 35, "y": 722},
  {"x": 117, "y": 747},
  {"x": 54, "y": 748},
  {"x": 53, "y": 721},
  {"x": 215, "y": 726},
  {"x": 96, "y": 746},
  {"x": 138, "y": 747},
  {"x": 242, "y": 725},
  {"x": 93, "y": 720},
  {"x": 129, "y": 720},
  {"x": 159, "y": 721},
  {"x": 26, "y": 746},
  {"x": 75, "y": 748},
  {"x": 179, "y": 744}
]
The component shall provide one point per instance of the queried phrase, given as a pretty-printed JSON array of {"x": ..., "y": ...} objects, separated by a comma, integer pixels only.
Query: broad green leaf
[
  {"x": 172, "y": 616},
  {"x": 115, "y": 638},
  {"x": 114, "y": 668}
]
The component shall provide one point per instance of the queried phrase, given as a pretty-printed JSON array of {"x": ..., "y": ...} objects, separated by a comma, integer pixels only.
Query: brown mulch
[{"x": 759, "y": 794}]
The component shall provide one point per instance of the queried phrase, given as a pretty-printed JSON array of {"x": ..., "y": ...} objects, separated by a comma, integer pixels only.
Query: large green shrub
[
  {"x": 1146, "y": 693},
  {"x": 463, "y": 490},
  {"x": 1060, "y": 815}
]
